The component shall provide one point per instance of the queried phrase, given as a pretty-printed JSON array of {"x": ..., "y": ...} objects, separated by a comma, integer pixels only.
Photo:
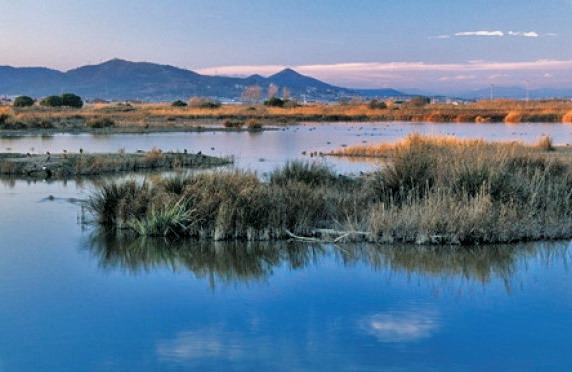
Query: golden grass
[{"x": 163, "y": 115}]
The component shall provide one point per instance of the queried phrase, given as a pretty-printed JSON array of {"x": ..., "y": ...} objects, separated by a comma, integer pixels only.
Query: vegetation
[
  {"x": 52, "y": 101},
  {"x": 150, "y": 117},
  {"x": 433, "y": 191},
  {"x": 274, "y": 102},
  {"x": 68, "y": 164},
  {"x": 179, "y": 103},
  {"x": 23, "y": 101}
]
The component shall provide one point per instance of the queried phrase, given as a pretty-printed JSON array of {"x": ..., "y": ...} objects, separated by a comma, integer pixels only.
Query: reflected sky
[
  {"x": 264, "y": 151},
  {"x": 71, "y": 299}
]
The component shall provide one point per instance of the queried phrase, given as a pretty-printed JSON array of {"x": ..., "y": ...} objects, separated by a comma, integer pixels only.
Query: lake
[{"x": 72, "y": 299}]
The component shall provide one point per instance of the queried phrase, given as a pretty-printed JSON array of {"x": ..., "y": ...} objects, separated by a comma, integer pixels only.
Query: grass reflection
[{"x": 240, "y": 261}]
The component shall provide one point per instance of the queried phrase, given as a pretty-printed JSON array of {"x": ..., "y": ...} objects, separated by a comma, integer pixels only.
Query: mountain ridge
[{"x": 122, "y": 79}]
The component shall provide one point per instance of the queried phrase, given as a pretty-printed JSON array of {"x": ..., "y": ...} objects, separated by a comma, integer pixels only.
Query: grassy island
[
  {"x": 432, "y": 191},
  {"x": 83, "y": 164}
]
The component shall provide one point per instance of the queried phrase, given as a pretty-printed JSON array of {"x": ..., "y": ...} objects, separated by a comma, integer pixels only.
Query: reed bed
[
  {"x": 432, "y": 191},
  {"x": 164, "y": 116}
]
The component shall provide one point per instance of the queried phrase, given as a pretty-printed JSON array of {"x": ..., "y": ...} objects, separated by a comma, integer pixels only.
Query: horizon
[{"x": 370, "y": 45}]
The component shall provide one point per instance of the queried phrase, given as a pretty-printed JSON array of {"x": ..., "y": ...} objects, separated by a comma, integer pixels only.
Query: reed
[{"x": 432, "y": 191}]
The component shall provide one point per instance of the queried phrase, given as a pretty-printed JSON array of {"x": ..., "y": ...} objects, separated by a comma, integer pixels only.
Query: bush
[
  {"x": 71, "y": 100},
  {"x": 178, "y": 103},
  {"x": 23, "y": 101},
  {"x": 201, "y": 102},
  {"x": 376, "y": 105},
  {"x": 52, "y": 101},
  {"x": 100, "y": 123},
  {"x": 419, "y": 101},
  {"x": 66, "y": 99},
  {"x": 274, "y": 102}
]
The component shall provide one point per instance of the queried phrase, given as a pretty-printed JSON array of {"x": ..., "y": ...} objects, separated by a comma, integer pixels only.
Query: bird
[
  {"x": 81, "y": 151},
  {"x": 199, "y": 153},
  {"x": 185, "y": 151},
  {"x": 65, "y": 151},
  {"x": 28, "y": 154}
]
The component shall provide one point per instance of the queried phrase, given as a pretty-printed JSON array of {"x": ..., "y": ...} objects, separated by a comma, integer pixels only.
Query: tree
[
  {"x": 375, "y": 104},
  {"x": 252, "y": 93},
  {"x": 23, "y": 101},
  {"x": 71, "y": 100},
  {"x": 274, "y": 102},
  {"x": 272, "y": 90},
  {"x": 178, "y": 103},
  {"x": 419, "y": 101},
  {"x": 52, "y": 101}
]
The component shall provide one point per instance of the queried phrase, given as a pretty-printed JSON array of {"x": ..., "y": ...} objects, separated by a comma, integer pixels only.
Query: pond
[{"x": 73, "y": 299}]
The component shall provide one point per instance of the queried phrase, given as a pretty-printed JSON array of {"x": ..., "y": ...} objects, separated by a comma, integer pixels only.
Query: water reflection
[
  {"x": 401, "y": 326},
  {"x": 253, "y": 261}
]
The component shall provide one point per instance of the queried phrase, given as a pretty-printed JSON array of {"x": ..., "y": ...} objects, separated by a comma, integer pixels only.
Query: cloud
[
  {"x": 480, "y": 33},
  {"x": 525, "y": 34},
  {"x": 418, "y": 74},
  {"x": 400, "y": 326},
  {"x": 494, "y": 33}
]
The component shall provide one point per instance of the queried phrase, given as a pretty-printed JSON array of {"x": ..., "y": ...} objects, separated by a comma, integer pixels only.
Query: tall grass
[{"x": 432, "y": 191}]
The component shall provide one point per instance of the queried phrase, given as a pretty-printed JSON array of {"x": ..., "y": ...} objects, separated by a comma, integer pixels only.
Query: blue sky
[{"x": 441, "y": 44}]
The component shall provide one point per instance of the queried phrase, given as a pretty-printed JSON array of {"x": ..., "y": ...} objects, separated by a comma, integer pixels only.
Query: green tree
[
  {"x": 23, "y": 101},
  {"x": 178, "y": 103},
  {"x": 52, "y": 101},
  {"x": 71, "y": 100}
]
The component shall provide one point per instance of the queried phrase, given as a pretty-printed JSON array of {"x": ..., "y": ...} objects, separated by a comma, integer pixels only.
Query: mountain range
[{"x": 121, "y": 80}]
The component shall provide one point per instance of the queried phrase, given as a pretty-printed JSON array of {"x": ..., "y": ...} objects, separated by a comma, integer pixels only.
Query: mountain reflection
[{"x": 252, "y": 261}]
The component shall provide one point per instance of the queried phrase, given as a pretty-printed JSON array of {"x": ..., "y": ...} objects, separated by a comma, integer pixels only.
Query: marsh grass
[
  {"x": 163, "y": 116},
  {"x": 432, "y": 191}
]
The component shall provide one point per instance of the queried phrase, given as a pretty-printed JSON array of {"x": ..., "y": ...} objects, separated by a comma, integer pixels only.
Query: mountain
[
  {"x": 294, "y": 80},
  {"x": 14, "y": 76},
  {"x": 120, "y": 79}
]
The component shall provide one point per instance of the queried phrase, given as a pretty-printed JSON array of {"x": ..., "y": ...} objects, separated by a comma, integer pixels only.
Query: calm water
[{"x": 75, "y": 300}]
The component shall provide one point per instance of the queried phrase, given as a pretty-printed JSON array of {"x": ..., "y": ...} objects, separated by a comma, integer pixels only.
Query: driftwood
[{"x": 325, "y": 235}]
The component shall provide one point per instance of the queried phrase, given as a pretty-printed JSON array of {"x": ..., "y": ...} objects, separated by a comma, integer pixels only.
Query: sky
[{"x": 437, "y": 45}]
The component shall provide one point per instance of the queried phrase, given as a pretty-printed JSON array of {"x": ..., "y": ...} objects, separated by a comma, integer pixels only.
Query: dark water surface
[{"x": 71, "y": 299}]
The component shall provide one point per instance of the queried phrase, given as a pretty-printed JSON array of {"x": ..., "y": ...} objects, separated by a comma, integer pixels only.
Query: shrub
[
  {"x": 419, "y": 101},
  {"x": 178, "y": 103},
  {"x": 52, "y": 101},
  {"x": 71, "y": 100},
  {"x": 253, "y": 124},
  {"x": 274, "y": 102},
  {"x": 376, "y": 105},
  {"x": 233, "y": 123},
  {"x": 23, "y": 101},
  {"x": 100, "y": 123},
  {"x": 202, "y": 102}
]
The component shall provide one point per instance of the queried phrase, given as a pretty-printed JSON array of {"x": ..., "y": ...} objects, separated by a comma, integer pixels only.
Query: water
[
  {"x": 264, "y": 151},
  {"x": 74, "y": 300}
]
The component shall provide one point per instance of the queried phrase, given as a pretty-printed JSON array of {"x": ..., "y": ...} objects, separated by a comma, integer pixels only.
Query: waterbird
[
  {"x": 81, "y": 150},
  {"x": 199, "y": 153}
]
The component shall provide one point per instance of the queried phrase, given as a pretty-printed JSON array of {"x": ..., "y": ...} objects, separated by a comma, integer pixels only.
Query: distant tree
[
  {"x": 52, "y": 101},
  {"x": 419, "y": 101},
  {"x": 203, "y": 102},
  {"x": 71, "y": 100},
  {"x": 274, "y": 102},
  {"x": 178, "y": 103},
  {"x": 23, "y": 101},
  {"x": 252, "y": 93},
  {"x": 272, "y": 90},
  {"x": 376, "y": 104}
]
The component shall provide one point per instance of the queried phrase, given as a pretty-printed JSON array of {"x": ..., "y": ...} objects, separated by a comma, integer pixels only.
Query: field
[{"x": 157, "y": 117}]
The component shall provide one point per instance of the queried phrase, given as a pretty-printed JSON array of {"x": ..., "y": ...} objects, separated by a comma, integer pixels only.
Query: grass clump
[
  {"x": 100, "y": 123},
  {"x": 431, "y": 191}
]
